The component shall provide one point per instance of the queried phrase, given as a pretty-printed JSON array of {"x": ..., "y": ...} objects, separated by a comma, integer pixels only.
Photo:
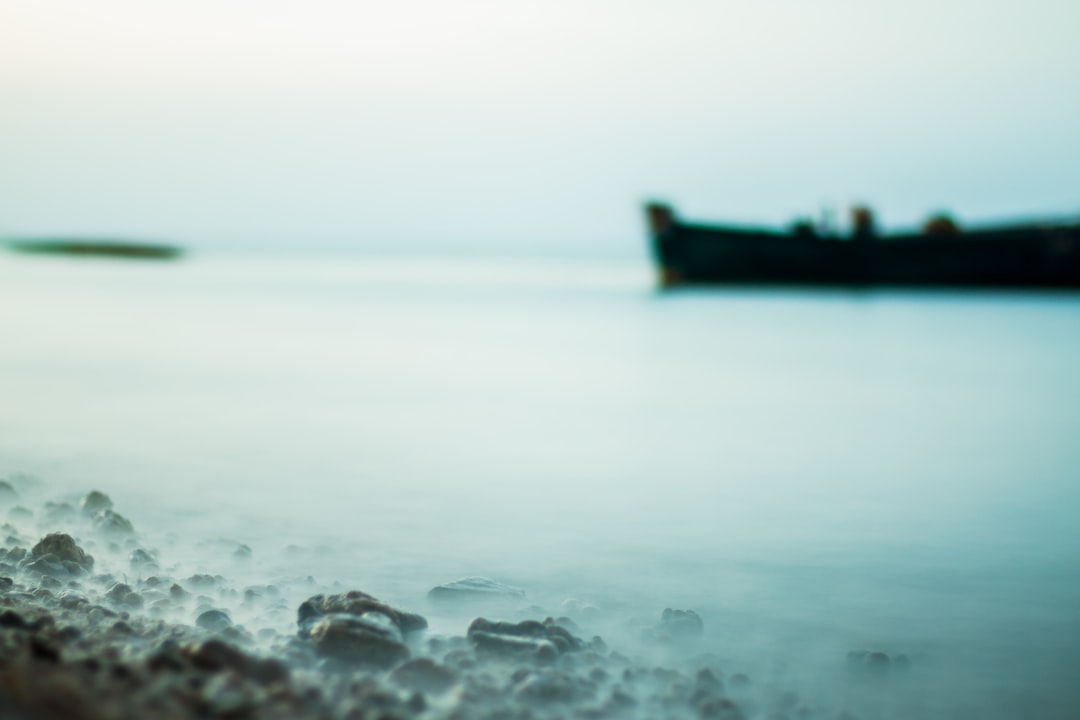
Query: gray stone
[
  {"x": 113, "y": 523},
  {"x": 355, "y": 603},
  {"x": 214, "y": 620},
  {"x": 473, "y": 589},
  {"x": 529, "y": 640},
  {"x": 680, "y": 624},
  {"x": 62, "y": 546},
  {"x": 371, "y": 639},
  {"x": 94, "y": 502}
]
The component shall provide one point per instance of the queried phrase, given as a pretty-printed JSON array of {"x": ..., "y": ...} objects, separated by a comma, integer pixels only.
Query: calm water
[{"x": 814, "y": 472}]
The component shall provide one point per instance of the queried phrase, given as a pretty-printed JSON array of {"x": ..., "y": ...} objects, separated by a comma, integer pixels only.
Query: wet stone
[
  {"x": 70, "y": 599},
  {"x": 869, "y": 664},
  {"x": 357, "y": 604},
  {"x": 214, "y": 620},
  {"x": 474, "y": 588},
  {"x": 681, "y": 623},
  {"x": 371, "y": 639},
  {"x": 122, "y": 595},
  {"x": 142, "y": 560},
  {"x": 202, "y": 581},
  {"x": 94, "y": 502},
  {"x": 43, "y": 650},
  {"x": 49, "y": 566},
  {"x": 215, "y": 656},
  {"x": 63, "y": 548},
  {"x": 540, "y": 642},
  {"x": 113, "y": 523}
]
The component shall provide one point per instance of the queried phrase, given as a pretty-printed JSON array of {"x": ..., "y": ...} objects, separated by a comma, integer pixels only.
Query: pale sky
[{"x": 526, "y": 126}]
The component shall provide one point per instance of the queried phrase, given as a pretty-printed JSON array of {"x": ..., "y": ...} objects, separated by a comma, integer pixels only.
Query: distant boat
[
  {"x": 98, "y": 247},
  {"x": 1022, "y": 255}
]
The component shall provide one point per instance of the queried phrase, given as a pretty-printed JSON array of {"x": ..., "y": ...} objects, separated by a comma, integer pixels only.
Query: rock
[
  {"x": 214, "y": 620},
  {"x": 94, "y": 502},
  {"x": 354, "y": 603},
  {"x": 202, "y": 581},
  {"x": 122, "y": 595},
  {"x": 12, "y": 619},
  {"x": 70, "y": 599},
  {"x": 424, "y": 675},
  {"x": 141, "y": 560},
  {"x": 113, "y": 523},
  {"x": 267, "y": 671},
  {"x": 62, "y": 546},
  {"x": 475, "y": 588},
  {"x": 215, "y": 656},
  {"x": 51, "y": 567},
  {"x": 7, "y": 492},
  {"x": 242, "y": 552},
  {"x": 878, "y": 663},
  {"x": 20, "y": 513},
  {"x": 529, "y": 640},
  {"x": 866, "y": 663},
  {"x": 371, "y": 639},
  {"x": 680, "y": 624}
]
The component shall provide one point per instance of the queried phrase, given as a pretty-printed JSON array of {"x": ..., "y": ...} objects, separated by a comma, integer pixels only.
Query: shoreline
[{"x": 108, "y": 636}]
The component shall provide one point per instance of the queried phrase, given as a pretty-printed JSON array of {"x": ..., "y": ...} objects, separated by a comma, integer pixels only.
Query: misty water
[{"x": 812, "y": 472}]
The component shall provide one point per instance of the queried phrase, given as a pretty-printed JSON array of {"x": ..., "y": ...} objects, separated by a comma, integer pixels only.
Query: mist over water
[{"x": 812, "y": 472}]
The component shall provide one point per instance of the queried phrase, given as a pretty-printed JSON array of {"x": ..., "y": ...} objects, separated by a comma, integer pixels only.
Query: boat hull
[{"x": 1023, "y": 256}]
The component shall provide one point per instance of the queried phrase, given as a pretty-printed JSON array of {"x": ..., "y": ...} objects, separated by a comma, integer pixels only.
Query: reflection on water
[{"x": 813, "y": 472}]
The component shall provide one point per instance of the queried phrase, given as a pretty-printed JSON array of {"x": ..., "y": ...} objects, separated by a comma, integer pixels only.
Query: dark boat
[
  {"x": 1022, "y": 255},
  {"x": 97, "y": 247}
]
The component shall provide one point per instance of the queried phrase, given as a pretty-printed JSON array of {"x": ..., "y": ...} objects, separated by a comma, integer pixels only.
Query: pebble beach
[{"x": 94, "y": 626}]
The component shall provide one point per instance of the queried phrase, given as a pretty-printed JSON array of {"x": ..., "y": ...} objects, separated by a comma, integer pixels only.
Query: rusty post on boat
[
  {"x": 863, "y": 226},
  {"x": 661, "y": 221},
  {"x": 660, "y": 217}
]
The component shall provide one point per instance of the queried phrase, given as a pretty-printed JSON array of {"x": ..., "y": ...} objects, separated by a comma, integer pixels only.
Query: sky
[{"x": 446, "y": 125}]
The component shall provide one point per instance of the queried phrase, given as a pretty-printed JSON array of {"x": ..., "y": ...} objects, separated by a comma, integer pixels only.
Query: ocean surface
[{"x": 814, "y": 472}]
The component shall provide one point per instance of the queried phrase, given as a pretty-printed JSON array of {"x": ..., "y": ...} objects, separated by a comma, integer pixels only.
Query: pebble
[
  {"x": 371, "y": 639},
  {"x": 356, "y": 603},
  {"x": 214, "y": 620},
  {"x": 113, "y": 523},
  {"x": 94, "y": 502},
  {"x": 63, "y": 548},
  {"x": 474, "y": 588}
]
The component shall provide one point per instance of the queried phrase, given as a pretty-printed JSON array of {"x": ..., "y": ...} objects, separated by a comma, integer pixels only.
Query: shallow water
[{"x": 813, "y": 472}]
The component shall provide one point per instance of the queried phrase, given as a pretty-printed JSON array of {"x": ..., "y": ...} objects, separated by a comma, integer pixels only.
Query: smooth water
[{"x": 814, "y": 472}]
